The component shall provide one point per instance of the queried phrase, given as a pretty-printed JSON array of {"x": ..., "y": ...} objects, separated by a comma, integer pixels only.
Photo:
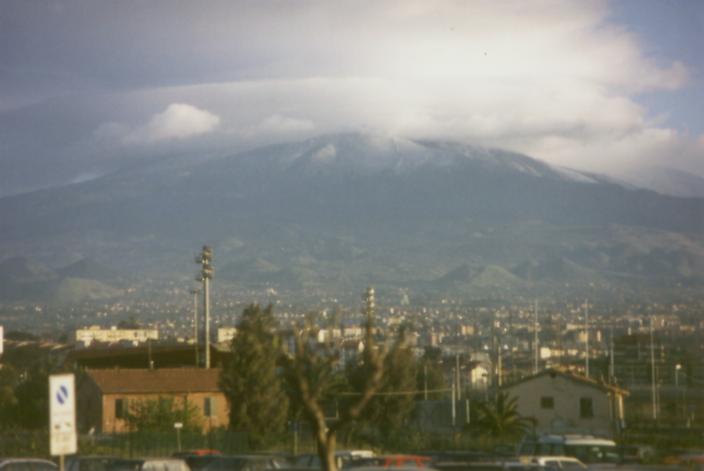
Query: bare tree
[{"x": 311, "y": 376}]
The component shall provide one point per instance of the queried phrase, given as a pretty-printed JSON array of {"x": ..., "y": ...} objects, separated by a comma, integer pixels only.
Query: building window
[
  {"x": 547, "y": 402},
  {"x": 586, "y": 408},
  {"x": 120, "y": 409},
  {"x": 208, "y": 407}
]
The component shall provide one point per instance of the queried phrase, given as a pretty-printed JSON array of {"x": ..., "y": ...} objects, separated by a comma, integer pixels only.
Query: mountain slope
[{"x": 335, "y": 212}]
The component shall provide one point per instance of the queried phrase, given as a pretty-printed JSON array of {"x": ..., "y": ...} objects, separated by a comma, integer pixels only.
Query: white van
[{"x": 587, "y": 448}]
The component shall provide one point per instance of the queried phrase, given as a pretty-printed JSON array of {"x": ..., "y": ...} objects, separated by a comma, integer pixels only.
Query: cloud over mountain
[
  {"x": 177, "y": 121},
  {"x": 562, "y": 81}
]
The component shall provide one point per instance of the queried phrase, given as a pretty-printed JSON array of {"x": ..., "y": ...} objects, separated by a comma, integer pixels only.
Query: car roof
[
  {"x": 25, "y": 460},
  {"x": 556, "y": 458},
  {"x": 8, "y": 461},
  {"x": 573, "y": 439}
]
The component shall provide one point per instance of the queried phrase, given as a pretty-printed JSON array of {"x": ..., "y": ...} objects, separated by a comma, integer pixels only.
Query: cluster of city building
[{"x": 639, "y": 367}]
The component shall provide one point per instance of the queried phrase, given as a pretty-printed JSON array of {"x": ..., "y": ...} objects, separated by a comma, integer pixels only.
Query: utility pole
[
  {"x": 205, "y": 259},
  {"x": 586, "y": 327},
  {"x": 195, "y": 292},
  {"x": 457, "y": 376},
  {"x": 653, "y": 386},
  {"x": 453, "y": 410},
  {"x": 612, "y": 361},
  {"x": 536, "y": 348}
]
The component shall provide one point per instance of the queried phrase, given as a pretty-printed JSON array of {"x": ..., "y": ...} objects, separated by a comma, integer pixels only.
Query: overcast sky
[{"x": 588, "y": 84}]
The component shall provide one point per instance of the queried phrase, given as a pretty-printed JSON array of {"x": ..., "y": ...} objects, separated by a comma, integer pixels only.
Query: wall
[
  {"x": 565, "y": 415},
  {"x": 219, "y": 411}
]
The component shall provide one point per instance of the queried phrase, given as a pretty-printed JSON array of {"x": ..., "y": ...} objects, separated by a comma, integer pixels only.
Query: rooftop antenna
[{"x": 205, "y": 259}]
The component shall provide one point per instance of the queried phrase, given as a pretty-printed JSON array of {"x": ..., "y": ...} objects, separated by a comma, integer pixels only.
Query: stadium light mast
[
  {"x": 195, "y": 292},
  {"x": 370, "y": 303},
  {"x": 205, "y": 260}
]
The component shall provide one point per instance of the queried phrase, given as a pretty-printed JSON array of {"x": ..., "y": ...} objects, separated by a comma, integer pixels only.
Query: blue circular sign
[{"x": 62, "y": 394}]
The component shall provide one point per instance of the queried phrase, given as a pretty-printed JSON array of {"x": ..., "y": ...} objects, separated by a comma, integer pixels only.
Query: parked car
[
  {"x": 197, "y": 459},
  {"x": 90, "y": 463},
  {"x": 559, "y": 463},
  {"x": 342, "y": 457},
  {"x": 488, "y": 466},
  {"x": 26, "y": 464},
  {"x": 587, "y": 448},
  {"x": 636, "y": 454},
  {"x": 457, "y": 456},
  {"x": 391, "y": 461},
  {"x": 244, "y": 463},
  {"x": 149, "y": 464},
  {"x": 383, "y": 468}
]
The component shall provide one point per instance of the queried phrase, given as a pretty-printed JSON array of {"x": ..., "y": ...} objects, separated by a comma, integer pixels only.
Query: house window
[
  {"x": 586, "y": 408},
  {"x": 120, "y": 408},
  {"x": 547, "y": 402},
  {"x": 208, "y": 407}
]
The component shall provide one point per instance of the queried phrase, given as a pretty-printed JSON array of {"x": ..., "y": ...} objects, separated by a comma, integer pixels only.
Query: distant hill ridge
[{"x": 335, "y": 212}]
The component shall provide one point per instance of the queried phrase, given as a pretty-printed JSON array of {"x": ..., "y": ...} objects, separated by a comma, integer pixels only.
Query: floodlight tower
[
  {"x": 195, "y": 292},
  {"x": 370, "y": 301},
  {"x": 205, "y": 259},
  {"x": 369, "y": 308}
]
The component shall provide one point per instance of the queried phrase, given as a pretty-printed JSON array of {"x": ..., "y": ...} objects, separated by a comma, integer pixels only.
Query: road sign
[{"x": 62, "y": 415}]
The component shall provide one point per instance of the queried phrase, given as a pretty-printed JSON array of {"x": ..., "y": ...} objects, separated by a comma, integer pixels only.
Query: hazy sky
[{"x": 588, "y": 84}]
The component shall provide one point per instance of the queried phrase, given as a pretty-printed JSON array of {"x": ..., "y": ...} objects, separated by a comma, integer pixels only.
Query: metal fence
[{"x": 36, "y": 443}]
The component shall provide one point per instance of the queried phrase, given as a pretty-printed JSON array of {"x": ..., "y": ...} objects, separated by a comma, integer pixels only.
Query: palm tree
[{"x": 500, "y": 418}]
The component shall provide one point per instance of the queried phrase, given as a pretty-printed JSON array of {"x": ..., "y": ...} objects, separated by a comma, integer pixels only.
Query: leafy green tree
[
  {"x": 394, "y": 403},
  {"x": 430, "y": 375},
  {"x": 8, "y": 399},
  {"x": 500, "y": 418},
  {"x": 252, "y": 381},
  {"x": 32, "y": 395},
  {"x": 32, "y": 366},
  {"x": 160, "y": 415}
]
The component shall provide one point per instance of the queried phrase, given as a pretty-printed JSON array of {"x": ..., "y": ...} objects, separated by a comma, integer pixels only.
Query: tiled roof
[
  {"x": 573, "y": 377},
  {"x": 165, "y": 380}
]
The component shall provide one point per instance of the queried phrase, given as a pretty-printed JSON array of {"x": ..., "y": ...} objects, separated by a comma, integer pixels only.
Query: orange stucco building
[{"x": 106, "y": 395}]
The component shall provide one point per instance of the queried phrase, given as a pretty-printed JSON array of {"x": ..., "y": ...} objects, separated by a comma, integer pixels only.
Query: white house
[
  {"x": 563, "y": 402},
  {"x": 226, "y": 334},
  {"x": 94, "y": 333}
]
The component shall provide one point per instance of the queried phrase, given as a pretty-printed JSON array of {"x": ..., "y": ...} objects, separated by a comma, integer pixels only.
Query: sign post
[{"x": 62, "y": 416}]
